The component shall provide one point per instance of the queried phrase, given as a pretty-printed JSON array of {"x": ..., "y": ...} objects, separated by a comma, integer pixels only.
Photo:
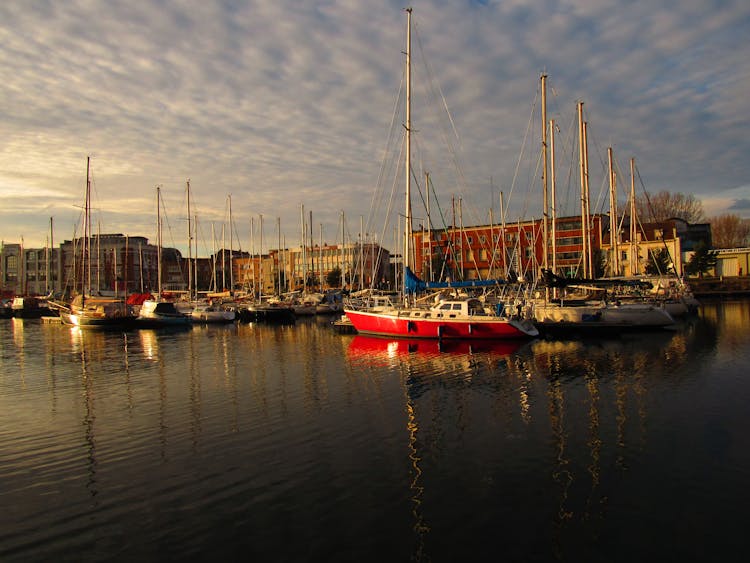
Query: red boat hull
[{"x": 481, "y": 328}]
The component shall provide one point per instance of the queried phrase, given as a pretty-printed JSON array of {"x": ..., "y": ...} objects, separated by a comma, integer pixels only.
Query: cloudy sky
[{"x": 281, "y": 104}]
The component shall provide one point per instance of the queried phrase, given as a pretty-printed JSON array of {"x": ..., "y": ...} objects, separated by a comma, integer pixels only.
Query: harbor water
[{"x": 297, "y": 443}]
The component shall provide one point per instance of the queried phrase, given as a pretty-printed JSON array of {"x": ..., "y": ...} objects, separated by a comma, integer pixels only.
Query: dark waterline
[{"x": 296, "y": 443}]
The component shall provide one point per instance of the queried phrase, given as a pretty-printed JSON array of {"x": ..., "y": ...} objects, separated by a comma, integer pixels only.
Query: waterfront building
[
  {"x": 29, "y": 271},
  {"x": 358, "y": 264},
  {"x": 516, "y": 250},
  {"x": 512, "y": 251}
]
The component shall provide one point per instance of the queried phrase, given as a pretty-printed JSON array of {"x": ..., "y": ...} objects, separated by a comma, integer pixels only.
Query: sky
[{"x": 280, "y": 109}]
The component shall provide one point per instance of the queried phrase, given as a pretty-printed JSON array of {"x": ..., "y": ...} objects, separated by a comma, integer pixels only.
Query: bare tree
[
  {"x": 730, "y": 231},
  {"x": 667, "y": 205}
]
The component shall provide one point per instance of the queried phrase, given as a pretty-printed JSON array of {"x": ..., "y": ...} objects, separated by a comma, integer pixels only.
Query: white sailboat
[
  {"x": 87, "y": 310},
  {"x": 156, "y": 312},
  {"x": 592, "y": 312}
]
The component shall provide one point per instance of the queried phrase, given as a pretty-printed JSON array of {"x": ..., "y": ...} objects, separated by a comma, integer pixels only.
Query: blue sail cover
[{"x": 416, "y": 285}]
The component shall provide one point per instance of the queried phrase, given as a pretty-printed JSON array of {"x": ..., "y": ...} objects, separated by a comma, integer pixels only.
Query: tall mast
[
  {"x": 195, "y": 262},
  {"x": 613, "y": 233},
  {"x": 407, "y": 226},
  {"x": 343, "y": 252},
  {"x": 223, "y": 257},
  {"x": 260, "y": 260},
  {"x": 312, "y": 253},
  {"x": 253, "y": 261},
  {"x": 231, "y": 248},
  {"x": 553, "y": 191},
  {"x": 213, "y": 258},
  {"x": 545, "y": 208},
  {"x": 99, "y": 257},
  {"x": 49, "y": 257},
  {"x": 190, "y": 245},
  {"x": 429, "y": 225},
  {"x": 633, "y": 221},
  {"x": 587, "y": 200},
  {"x": 158, "y": 239},
  {"x": 502, "y": 236},
  {"x": 584, "y": 207},
  {"x": 279, "y": 253},
  {"x": 87, "y": 228},
  {"x": 304, "y": 249}
]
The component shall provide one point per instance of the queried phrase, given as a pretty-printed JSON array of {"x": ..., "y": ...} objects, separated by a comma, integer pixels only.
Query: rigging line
[
  {"x": 604, "y": 188},
  {"x": 377, "y": 193},
  {"x": 432, "y": 81},
  {"x": 568, "y": 141},
  {"x": 520, "y": 157},
  {"x": 435, "y": 92}
]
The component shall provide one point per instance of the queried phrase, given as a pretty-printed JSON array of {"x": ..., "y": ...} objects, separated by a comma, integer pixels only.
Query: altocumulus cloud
[{"x": 287, "y": 103}]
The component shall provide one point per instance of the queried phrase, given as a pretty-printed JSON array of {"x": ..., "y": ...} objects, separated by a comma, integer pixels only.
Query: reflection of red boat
[{"x": 363, "y": 346}]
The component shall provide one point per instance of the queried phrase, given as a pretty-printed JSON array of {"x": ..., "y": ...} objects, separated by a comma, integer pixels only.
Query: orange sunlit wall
[{"x": 489, "y": 251}]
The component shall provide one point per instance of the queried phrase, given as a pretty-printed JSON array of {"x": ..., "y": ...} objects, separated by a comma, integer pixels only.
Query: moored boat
[
  {"x": 30, "y": 308},
  {"x": 458, "y": 318},
  {"x": 87, "y": 310},
  {"x": 155, "y": 313},
  {"x": 465, "y": 318},
  {"x": 211, "y": 313},
  {"x": 97, "y": 312}
]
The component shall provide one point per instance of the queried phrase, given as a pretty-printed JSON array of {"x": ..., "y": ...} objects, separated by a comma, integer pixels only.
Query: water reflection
[
  {"x": 594, "y": 399},
  {"x": 248, "y": 435}
]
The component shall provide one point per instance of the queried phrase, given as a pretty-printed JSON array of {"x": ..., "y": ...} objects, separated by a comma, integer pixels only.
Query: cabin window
[{"x": 457, "y": 306}]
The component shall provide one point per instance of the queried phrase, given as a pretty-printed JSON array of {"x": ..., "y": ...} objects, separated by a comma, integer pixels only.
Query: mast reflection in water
[{"x": 294, "y": 443}]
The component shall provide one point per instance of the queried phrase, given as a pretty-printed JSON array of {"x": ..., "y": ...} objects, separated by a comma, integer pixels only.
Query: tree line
[{"x": 727, "y": 230}]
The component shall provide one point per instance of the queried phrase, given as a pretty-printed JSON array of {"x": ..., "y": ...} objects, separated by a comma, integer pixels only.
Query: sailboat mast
[
  {"x": 429, "y": 226},
  {"x": 633, "y": 221},
  {"x": 587, "y": 200},
  {"x": 195, "y": 262},
  {"x": 279, "y": 252},
  {"x": 190, "y": 246},
  {"x": 343, "y": 252},
  {"x": 87, "y": 228},
  {"x": 545, "y": 198},
  {"x": 613, "y": 242},
  {"x": 158, "y": 239},
  {"x": 407, "y": 223},
  {"x": 312, "y": 254},
  {"x": 231, "y": 248},
  {"x": 260, "y": 259},
  {"x": 49, "y": 258},
  {"x": 553, "y": 191},
  {"x": 582, "y": 172},
  {"x": 502, "y": 236},
  {"x": 304, "y": 249}
]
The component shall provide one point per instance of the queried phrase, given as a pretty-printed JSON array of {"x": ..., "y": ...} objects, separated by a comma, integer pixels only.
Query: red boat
[{"x": 448, "y": 319}]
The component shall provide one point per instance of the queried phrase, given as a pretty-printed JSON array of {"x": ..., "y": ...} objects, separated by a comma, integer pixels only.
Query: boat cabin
[{"x": 462, "y": 308}]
